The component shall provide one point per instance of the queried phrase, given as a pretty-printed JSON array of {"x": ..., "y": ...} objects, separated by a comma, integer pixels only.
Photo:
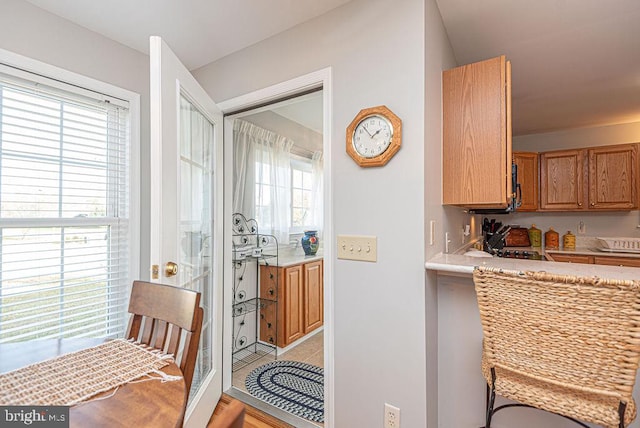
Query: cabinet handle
[
  {"x": 579, "y": 204},
  {"x": 271, "y": 291},
  {"x": 593, "y": 204},
  {"x": 268, "y": 325}
]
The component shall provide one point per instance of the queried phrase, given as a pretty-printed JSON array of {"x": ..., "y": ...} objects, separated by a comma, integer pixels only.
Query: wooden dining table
[{"x": 150, "y": 403}]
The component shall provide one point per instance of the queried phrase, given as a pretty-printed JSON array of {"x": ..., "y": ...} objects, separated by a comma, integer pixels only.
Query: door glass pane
[{"x": 196, "y": 167}]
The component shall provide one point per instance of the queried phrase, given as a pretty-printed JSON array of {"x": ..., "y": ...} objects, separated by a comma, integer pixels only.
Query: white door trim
[{"x": 320, "y": 78}]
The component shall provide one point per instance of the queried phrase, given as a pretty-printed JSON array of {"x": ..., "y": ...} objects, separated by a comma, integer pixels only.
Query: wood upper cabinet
[
  {"x": 527, "y": 163},
  {"x": 476, "y": 110},
  {"x": 613, "y": 177},
  {"x": 300, "y": 302},
  {"x": 599, "y": 178},
  {"x": 561, "y": 180}
]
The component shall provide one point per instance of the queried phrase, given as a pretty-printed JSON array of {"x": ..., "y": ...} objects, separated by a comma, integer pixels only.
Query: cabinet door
[
  {"x": 270, "y": 282},
  {"x": 290, "y": 305},
  {"x": 612, "y": 177},
  {"x": 314, "y": 296},
  {"x": 617, "y": 261},
  {"x": 527, "y": 163},
  {"x": 561, "y": 180},
  {"x": 476, "y": 101},
  {"x": 572, "y": 258}
]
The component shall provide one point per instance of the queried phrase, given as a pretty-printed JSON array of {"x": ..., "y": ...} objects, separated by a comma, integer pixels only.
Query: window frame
[{"x": 36, "y": 71}]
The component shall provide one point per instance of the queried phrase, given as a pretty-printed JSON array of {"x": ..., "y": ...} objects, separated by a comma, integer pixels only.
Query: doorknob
[{"x": 170, "y": 269}]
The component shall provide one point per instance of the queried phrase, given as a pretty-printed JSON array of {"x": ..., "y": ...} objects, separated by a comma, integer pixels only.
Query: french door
[{"x": 186, "y": 209}]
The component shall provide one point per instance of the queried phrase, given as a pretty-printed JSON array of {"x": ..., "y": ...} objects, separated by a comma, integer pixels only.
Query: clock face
[{"x": 372, "y": 136}]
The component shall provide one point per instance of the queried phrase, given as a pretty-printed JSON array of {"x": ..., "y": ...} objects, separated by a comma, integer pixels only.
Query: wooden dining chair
[
  {"x": 162, "y": 316},
  {"x": 561, "y": 343}
]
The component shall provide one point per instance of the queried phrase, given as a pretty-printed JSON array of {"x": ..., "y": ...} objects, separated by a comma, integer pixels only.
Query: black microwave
[{"x": 514, "y": 201}]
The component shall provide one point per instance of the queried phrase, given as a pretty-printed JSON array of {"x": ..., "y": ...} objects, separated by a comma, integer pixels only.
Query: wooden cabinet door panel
[
  {"x": 527, "y": 163},
  {"x": 572, "y": 258},
  {"x": 291, "y": 302},
  {"x": 476, "y": 151},
  {"x": 612, "y": 177},
  {"x": 561, "y": 180},
  {"x": 314, "y": 296},
  {"x": 268, "y": 322},
  {"x": 617, "y": 261}
]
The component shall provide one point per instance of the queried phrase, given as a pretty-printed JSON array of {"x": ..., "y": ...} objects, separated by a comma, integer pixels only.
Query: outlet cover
[{"x": 355, "y": 247}]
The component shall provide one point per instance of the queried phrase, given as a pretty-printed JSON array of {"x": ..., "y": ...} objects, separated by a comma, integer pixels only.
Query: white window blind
[{"x": 64, "y": 192}]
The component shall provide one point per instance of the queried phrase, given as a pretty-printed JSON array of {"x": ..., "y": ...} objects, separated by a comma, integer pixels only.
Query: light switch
[{"x": 363, "y": 248}]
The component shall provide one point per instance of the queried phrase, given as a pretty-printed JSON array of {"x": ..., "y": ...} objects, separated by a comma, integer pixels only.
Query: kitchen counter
[
  {"x": 458, "y": 264},
  {"x": 292, "y": 258}
]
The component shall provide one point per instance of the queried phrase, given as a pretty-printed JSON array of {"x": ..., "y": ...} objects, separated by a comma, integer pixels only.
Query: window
[
  {"x": 301, "y": 194},
  {"x": 64, "y": 210}
]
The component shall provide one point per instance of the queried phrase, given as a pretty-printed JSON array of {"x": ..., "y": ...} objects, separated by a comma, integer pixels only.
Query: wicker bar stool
[{"x": 565, "y": 344}]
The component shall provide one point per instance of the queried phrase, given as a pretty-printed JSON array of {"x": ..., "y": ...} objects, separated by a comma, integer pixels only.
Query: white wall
[
  {"x": 597, "y": 224},
  {"x": 35, "y": 33},
  {"x": 438, "y": 57},
  {"x": 376, "y": 49},
  {"x": 579, "y": 137}
]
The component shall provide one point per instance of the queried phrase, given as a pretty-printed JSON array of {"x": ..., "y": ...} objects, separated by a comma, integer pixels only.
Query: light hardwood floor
[{"x": 253, "y": 417}]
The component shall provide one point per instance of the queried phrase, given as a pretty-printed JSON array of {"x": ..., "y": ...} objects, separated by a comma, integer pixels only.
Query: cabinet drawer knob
[
  {"x": 579, "y": 204},
  {"x": 593, "y": 204}
]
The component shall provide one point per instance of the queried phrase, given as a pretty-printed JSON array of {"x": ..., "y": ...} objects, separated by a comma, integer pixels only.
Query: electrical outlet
[
  {"x": 432, "y": 231},
  {"x": 391, "y": 416},
  {"x": 582, "y": 228}
]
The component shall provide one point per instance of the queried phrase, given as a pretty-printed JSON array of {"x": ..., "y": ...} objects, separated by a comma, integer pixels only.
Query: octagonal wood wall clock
[{"x": 374, "y": 136}]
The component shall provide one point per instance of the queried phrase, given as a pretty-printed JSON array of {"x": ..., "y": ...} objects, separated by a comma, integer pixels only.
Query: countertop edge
[{"x": 455, "y": 265}]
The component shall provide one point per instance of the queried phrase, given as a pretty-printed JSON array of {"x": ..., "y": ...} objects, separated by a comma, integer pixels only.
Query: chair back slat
[
  {"x": 165, "y": 314},
  {"x": 160, "y": 334},
  {"x": 173, "y": 341},
  {"x": 147, "y": 330}
]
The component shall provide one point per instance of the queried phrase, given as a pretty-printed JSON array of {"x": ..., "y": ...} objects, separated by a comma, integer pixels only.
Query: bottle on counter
[
  {"x": 551, "y": 239},
  {"x": 569, "y": 241},
  {"x": 535, "y": 236}
]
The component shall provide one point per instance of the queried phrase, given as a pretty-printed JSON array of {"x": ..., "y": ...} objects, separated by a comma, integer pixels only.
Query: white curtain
[
  {"x": 262, "y": 178},
  {"x": 317, "y": 193}
]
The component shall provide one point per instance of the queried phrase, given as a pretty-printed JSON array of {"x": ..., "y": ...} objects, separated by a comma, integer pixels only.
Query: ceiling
[
  {"x": 575, "y": 63},
  {"x": 199, "y": 31}
]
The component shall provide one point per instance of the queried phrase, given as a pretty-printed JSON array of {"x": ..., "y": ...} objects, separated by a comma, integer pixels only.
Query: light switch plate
[{"x": 362, "y": 248}]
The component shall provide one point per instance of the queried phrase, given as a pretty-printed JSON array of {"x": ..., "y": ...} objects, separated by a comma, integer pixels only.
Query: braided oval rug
[{"x": 295, "y": 387}]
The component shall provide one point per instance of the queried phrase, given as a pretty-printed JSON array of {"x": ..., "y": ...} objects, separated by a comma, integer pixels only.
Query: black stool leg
[
  {"x": 622, "y": 408},
  {"x": 491, "y": 398}
]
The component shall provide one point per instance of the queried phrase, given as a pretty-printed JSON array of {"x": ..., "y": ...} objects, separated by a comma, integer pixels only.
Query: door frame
[{"x": 298, "y": 85}]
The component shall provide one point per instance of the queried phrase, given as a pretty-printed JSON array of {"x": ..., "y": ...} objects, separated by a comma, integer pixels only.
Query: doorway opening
[{"x": 276, "y": 289}]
